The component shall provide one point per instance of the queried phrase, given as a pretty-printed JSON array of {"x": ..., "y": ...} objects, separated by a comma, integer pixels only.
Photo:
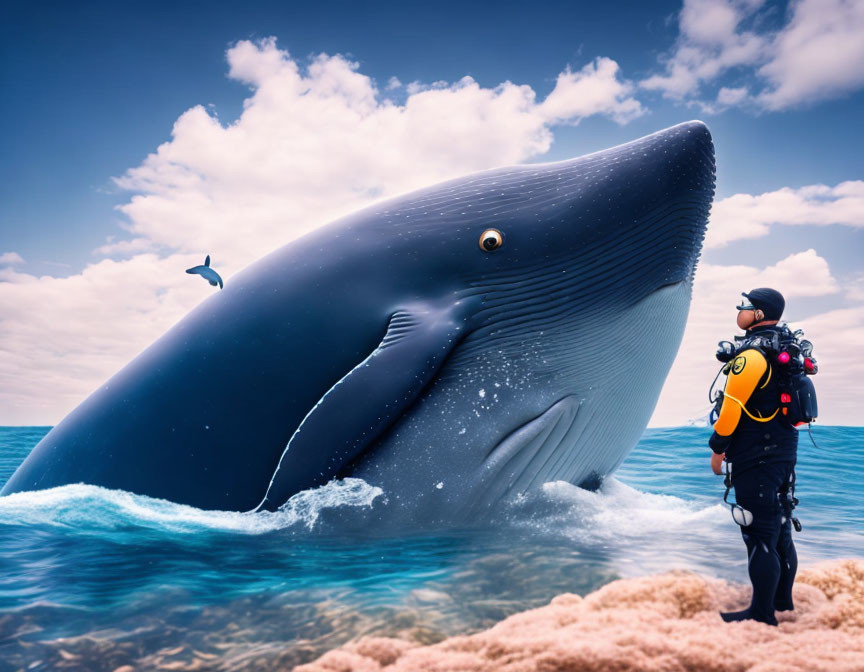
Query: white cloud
[
  {"x": 311, "y": 146},
  {"x": 124, "y": 247},
  {"x": 744, "y": 216},
  {"x": 595, "y": 89},
  {"x": 837, "y": 336},
  {"x": 815, "y": 55},
  {"x": 717, "y": 290},
  {"x": 10, "y": 258},
  {"x": 732, "y": 96},
  {"x": 312, "y": 143},
  {"x": 819, "y": 55},
  {"x": 855, "y": 288},
  {"x": 711, "y": 42},
  {"x": 801, "y": 275},
  {"x": 393, "y": 83},
  {"x": 62, "y": 337}
]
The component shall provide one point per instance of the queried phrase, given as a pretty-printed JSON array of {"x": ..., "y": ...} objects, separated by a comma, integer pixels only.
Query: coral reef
[{"x": 668, "y": 622}]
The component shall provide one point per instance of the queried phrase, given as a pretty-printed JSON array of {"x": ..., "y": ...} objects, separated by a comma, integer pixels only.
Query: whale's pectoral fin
[
  {"x": 368, "y": 399},
  {"x": 533, "y": 453},
  {"x": 207, "y": 260}
]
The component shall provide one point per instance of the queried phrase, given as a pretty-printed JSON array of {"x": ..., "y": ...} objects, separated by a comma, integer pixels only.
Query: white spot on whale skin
[
  {"x": 481, "y": 393},
  {"x": 439, "y": 485}
]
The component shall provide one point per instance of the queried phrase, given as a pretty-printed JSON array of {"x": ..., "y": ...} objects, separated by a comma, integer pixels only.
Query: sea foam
[{"x": 91, "y": 508}]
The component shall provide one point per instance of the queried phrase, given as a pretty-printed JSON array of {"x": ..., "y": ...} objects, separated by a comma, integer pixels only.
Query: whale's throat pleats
[
  {"x": 528, "y": 455},
  {"x": 369, "y": 398}
]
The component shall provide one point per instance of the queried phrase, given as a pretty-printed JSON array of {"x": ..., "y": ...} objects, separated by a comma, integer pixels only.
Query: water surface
[{"x": 94, "y": 579}]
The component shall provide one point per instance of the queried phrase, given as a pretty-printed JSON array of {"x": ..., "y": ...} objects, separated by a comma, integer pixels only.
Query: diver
[{"x": 755, "y": 435}]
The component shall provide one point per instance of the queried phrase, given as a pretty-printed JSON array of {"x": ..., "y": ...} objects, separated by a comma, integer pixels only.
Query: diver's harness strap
[
  {"x": 749, "y": 414},
  {"x": 716, "y": 397},
  {"x": 772, "y": 344},
  {"x": 791, "y": 501},
  {"x": 727, "y": 481}
]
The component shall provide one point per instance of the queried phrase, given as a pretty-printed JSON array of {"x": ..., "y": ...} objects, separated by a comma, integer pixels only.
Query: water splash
[
  {"x": 89, "y": 508},
  {"x": 637, "y": 532}
]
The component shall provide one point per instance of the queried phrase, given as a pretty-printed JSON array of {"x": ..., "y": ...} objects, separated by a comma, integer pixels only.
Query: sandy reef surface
[{"x": 667, "y": 622}]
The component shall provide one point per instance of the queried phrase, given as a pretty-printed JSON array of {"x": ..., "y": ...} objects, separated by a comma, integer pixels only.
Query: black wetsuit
[{"x": 762, "y": 456}]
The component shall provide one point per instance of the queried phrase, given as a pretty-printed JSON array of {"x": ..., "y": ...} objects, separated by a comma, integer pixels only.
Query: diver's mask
[{"x": 745, "y": 304}]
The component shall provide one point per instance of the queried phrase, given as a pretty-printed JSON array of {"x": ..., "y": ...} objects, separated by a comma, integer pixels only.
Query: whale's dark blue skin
[{"x": 390, "y": 346}]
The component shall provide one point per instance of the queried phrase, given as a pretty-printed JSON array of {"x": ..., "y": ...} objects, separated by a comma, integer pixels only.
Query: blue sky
[
  {"x": 94, "y": 87},
  {"x": 91, "y": 89}
]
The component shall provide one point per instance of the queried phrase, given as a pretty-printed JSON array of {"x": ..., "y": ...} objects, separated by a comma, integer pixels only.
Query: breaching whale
[
  {"x": 207, "y": 273},
  {"x": 455, "y": 345}
]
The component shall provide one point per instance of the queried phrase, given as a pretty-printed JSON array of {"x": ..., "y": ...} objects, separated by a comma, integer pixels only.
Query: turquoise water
[{"x": 94, "y": 579}]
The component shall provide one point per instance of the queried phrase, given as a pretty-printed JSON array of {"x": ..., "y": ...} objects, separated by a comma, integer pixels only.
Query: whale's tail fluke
[{"x": 207, "y": 273}]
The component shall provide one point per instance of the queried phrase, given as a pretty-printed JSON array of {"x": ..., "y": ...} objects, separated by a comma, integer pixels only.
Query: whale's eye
[{"x": 491, "y": 240}]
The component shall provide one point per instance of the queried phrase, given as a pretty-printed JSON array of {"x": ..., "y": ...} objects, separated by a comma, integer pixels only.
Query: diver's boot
[
  {"x": 732, "y": 616},
  {"x": 788, "y": 569},
  {"x": 763, "y": 566},
  {"x": 745, "y": 615}
]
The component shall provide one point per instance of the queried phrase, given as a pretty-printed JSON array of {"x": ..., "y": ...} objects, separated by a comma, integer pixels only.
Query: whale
[
  {"x": 207, "y": 273},
  {"x": 456, "y": 346}
]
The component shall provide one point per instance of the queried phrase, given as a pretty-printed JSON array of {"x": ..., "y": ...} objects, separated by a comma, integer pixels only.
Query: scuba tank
[
  {"x": 790, "y": 359},
  {"x": 790, "y": 356}
]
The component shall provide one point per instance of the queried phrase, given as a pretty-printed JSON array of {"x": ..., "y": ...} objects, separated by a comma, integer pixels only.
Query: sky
[{"x": 137, "y": 137}]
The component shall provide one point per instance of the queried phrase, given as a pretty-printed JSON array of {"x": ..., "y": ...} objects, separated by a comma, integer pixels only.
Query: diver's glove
[{"x": 719, "y": 443}]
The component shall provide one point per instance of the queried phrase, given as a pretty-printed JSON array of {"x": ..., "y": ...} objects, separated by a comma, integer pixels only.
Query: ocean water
[{"x": 94, "y": 579}]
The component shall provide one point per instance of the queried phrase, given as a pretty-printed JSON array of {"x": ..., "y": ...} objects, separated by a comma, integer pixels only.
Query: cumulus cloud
[
  {"x": 744, "y": 216},
  {"x": 819, "y": 55},
  {"x": 815, "y": 55},
  {"x": 717, "y": 290},
  {"x": 315, "y": 141},
  {"x": 595, "y": 89},
  {"x": 838, "y": 335},
  {"x": 115, "y": 248},
  {"x": 712, "y": 40},
  {"x": 62, "y": 337},
  {"x": 855, "y": 288},
  {"x": 731, "y": 96},
  {"x": 10, "y": 258}
]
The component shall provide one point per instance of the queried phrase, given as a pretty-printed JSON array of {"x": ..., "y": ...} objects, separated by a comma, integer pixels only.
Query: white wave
[
  {"x": 89, "y": 507},
  {"x": 617, "y": 511},
  {"x": 638, "y": 532}
]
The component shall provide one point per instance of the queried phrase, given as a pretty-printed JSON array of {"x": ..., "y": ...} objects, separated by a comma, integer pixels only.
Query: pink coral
[{"x": 665, "y": 623}]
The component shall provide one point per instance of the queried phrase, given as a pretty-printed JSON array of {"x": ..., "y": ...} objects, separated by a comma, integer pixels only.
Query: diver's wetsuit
[{"x": 762, "y": 456}]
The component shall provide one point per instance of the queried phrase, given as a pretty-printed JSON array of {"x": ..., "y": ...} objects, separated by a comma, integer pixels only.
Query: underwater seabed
[{"x": 92, "y": 579}]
